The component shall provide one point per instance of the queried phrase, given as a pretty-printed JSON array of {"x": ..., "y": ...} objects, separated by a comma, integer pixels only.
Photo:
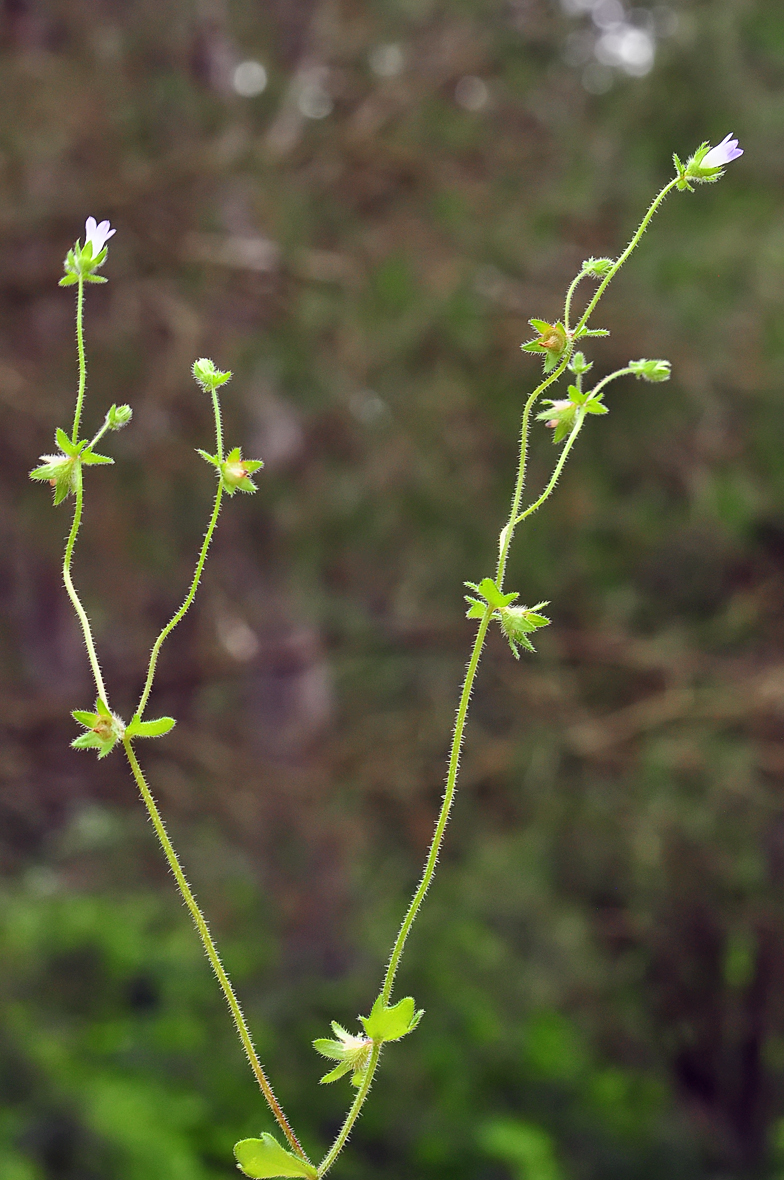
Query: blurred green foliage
[{"x": 601, "y": 959}]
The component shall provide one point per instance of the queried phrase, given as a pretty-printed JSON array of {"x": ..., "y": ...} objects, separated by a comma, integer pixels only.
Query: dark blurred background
[{"x": 356, "y": 205}]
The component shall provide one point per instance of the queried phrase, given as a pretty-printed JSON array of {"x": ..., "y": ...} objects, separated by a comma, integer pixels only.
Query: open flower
[
  {"x": 97, "y": 235},
  {"x": 707, "y": 164},
  {"x": 82, "y": 261},
  {"x": 724, "y": 153}
]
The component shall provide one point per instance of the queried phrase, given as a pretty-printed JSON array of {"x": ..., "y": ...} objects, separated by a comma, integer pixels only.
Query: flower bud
[
  {"x": 651, "y": 370},
  {"x": 597, "y": 268},
  {"x": 118, "y": 416},
  {"x": 207, "y": 376}
]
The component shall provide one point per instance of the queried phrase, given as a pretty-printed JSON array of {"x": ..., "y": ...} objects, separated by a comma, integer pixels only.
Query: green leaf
[
  {"x": 88, "y": 720},
  {"x": 150, "y": 729},
  {"x": 102, "y": 708},
  {"x": 95, "y": 279},
  {"x": 489, "y": 591},
  {"x": 476, "y": 610},
  {"x": 87, "y": 741},
  {"x": 265, "y": 1158},
  {"x": 208, "y": 458},
  {"x": 68, "y": 280},
  {"x": 541, "y": 326},
  {"x": 594, "y": 406},
  {"x": 90, "y": 457},
  {"x": 65, "y": 444},
  {"x": 390, "y": 1024},
  {"x": 337, "y": 1073}
]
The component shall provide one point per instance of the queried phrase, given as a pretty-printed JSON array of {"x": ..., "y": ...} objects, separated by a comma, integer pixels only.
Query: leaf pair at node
[
  {"x": 517, "y": 622},
  {"x": 234, "y": 472},
  {"x": 352, "y": 1053},
  {"x": 562, "y": 414},
  {"x": 63, "y": 471},
  {"x": 105, "y": 729}
]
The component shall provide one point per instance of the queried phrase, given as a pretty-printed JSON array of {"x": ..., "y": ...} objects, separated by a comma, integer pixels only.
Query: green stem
[
  {"x": 189, "y": 597},
  {"x": 619, "y": 263},
  {"x": 210, "y": 950},
  {"x": 548, "y": 491},
  {"x": 180, "y": 614},
  {"x": 611, "y": 377},
  {"x": 71, "y": 589},
  {"x": 82, "y": 361},
  {"x": 218, "y": 425},
  {"x": 505, "y": 538},
  {"x": 569, "y": 296},
  {"x": 97, "y": 438},
  {"x": 446, "y": 805},
  {"x": 353, "y": 1114}
]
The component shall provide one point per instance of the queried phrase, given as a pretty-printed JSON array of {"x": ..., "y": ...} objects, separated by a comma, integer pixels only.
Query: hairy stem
[
  {"x": 82, "y": 361},
  {"x": 71, "y": 589},
  {"x": 608, "y": 278},
  {"x": 548, "y": 491},
  {"x": 353, "y": 1114},
  {"x": 210, "y": 950},
  {"x": 446, "y": 806},
  {"x": 189, "y": 597},
  {"x": 569, "y": 297},
  {"x": 505, "y": 537}
]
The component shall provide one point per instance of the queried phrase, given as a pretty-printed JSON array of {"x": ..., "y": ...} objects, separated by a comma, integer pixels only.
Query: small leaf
[
  {"x": 390, "y": 1024},
  {"x": 337, "y": 1073},
  {"x": 150, "y": 729},
  {"x": 64, "y": 442},
  {"x": 88, "y": 720},
  {"x": 103, "y": 708},
  {"x": 264, "y": 1158},
  {"x": 87, "y": 741},
  {"x": 68, "y": 280},
  {"x": 476, "y": 610},
  {"x": 541, "y": 326},
  {"x": 208, "y": 458},
  {"x": 489, "y": 591},
  {"x": 90, "y": 457}
]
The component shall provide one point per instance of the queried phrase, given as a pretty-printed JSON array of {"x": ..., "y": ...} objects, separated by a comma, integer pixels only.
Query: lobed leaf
[{"x": 264, "y": 1159}]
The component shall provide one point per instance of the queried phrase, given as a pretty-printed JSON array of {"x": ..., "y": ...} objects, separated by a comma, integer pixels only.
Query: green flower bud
[
  {"x": 597, "y": 268},
  {"x": 207, "y": 376},
  {"x": 118, "y": 416},
  {"x": 651, "y": 370}
]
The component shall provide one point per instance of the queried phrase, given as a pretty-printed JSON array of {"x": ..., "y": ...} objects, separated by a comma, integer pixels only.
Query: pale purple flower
[
  {"x": 98, "y": 235},
  {"x": 724, "y": 153}
]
